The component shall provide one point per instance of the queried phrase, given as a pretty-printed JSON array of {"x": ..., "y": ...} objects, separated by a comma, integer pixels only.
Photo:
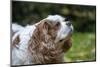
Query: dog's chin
[
  {"x": 67, "y": 37},
  {"x": 65, "y": 40}
]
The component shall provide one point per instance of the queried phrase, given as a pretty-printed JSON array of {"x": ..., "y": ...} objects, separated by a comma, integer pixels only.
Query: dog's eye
[
  {"x": 61, "y": 40},
  {"x": 58, "y": 23}
]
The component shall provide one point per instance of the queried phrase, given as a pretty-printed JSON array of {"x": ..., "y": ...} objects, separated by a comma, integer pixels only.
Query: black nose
[{"x": 68, "y": 23}]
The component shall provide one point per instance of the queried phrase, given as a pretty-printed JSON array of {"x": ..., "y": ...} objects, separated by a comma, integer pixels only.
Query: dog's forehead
[{"x": 55, "y": 18}]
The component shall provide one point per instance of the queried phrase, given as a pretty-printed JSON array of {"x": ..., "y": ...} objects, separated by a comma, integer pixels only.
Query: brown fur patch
[
  {"x": 67, "y": 45},
  {"x": 16, "y": 41}
]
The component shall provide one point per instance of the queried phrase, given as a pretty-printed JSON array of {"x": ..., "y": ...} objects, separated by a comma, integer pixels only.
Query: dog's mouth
[{"x": 66, "y": 39}]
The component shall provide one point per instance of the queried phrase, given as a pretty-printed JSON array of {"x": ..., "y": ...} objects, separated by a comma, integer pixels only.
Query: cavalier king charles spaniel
[{"x": 42, "y": 43}]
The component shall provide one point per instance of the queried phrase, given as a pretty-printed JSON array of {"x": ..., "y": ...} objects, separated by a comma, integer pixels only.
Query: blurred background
[{"x": 83, "y": 18}]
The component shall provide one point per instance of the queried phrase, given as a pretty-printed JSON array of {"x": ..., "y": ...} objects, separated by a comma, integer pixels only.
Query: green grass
[{"x": 83, "y": 48}]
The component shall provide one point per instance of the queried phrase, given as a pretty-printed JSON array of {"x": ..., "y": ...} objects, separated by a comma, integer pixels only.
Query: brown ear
[
  {"x": 43, "y": 26},
  {"x": 40, "y": 41},
  {"x": 39, "y": 36},
  {"x": 67, "y": 45},
  {"x": 16, "y": 41}
]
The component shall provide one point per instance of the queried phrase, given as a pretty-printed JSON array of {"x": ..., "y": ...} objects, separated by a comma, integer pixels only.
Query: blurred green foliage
[
  {"x": 83, "y": 48},
  {"x": 83, "y": 17}
]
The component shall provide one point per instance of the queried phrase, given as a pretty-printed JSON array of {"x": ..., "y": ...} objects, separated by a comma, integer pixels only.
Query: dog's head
[
  {"x": 52, "y": 32},
  {"x": 61, "y": 28}
]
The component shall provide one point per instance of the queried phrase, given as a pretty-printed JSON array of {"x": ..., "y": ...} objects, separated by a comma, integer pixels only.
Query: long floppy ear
[
  {"x": 43, "y": 26},
  {"x": 41, "y": 43},
  {"x": 67, "y": 45},
  {"x": 40, "y": 36}
]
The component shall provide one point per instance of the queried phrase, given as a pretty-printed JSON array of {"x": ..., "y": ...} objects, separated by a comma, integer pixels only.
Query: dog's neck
[{"x": 45, "y": 53}]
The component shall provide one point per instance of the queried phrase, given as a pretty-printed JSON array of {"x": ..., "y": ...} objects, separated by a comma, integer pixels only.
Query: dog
[{"x": 42, "y": 43}]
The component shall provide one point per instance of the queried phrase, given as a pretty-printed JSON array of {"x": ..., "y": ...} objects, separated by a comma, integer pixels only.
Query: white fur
[
  {"x": 16, "y": 27},
  {"x": 20, "y": 56},
  {"x": 55, "y": 18}
]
